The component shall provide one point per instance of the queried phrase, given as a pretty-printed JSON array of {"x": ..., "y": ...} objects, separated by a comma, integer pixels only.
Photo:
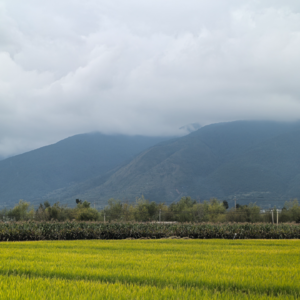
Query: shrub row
[{"x": 23, "y": 231}]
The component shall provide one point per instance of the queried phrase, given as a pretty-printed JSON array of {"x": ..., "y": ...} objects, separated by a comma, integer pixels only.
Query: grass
[{"x": 150, "y": 269}]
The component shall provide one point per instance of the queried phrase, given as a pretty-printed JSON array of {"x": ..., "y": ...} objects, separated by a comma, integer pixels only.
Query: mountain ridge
[
  {"x": 192, "y": 165},
  {"x": 254, "y": 161},
  {"x": 34, "y": 174}
]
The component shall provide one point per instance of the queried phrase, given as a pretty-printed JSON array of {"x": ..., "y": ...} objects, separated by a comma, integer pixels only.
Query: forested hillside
[
  {"x": 32, "y": 175},
  {"x": 253, "y": 161}
]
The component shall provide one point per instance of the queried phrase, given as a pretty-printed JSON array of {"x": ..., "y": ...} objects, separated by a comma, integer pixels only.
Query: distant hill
[
  {"x": 250, "y": 160},
  {"x": 32, "y": 175}
]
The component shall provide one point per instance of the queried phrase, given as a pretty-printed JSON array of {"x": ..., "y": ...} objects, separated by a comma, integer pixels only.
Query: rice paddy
[{"x": 150, "y": 269}]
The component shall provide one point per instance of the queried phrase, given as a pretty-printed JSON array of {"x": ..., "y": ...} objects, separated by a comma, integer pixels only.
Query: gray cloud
[{"x": 143, "y": 67}]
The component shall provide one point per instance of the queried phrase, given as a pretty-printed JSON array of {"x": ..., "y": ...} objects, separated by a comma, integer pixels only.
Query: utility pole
[
  {"x": 277, "y": 216},
  {"x": 235, "y": 203},
  {"x": 159, "y": 215},
  {"x": 272, "y": 216}
]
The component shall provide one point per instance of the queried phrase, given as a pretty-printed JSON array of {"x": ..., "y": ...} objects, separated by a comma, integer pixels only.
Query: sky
[{"x": 143, "y": 67}]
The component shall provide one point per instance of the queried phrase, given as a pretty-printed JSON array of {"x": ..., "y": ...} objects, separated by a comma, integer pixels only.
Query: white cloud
[{"x": 143, "y": 67}]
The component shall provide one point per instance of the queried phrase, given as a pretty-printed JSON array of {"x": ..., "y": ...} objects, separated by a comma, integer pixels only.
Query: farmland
[{"x": 148, "y": 269}]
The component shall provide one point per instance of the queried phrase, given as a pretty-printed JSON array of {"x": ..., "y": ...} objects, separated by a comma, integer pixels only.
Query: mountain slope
[
  {"x": 34, "y": 174},
  {"x": 245, "y": 159},
  {"x": 269, "y": 168}
]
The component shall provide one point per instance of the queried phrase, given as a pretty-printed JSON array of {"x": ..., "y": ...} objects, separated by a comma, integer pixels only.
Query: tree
[
  {"x": 144, "y": 210},
  {"x": 244, "y": 213},
  {"x": 216, "y": 210},
  {"x": 114, "y": 210},
  {"x": 87, "y": 214},
  {"x": 290, "y": 212},
  {"x": 46, "y": 204},
  {"x": 20, "y": 211},
  {"x": 225, "y": 203},
  {"x": 182, "y": 210}
]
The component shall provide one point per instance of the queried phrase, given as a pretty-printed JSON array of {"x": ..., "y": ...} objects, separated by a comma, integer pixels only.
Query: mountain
[
  {"x": 253, "y": 161},
  {"x": 32, "y": 175}
]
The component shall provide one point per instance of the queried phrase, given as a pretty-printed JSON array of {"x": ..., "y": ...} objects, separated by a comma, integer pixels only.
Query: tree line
[{"x": 143, "y": 210}]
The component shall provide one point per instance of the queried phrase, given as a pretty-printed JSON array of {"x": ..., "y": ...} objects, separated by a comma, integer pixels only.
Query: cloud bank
[{"x": 143, "y": 67}]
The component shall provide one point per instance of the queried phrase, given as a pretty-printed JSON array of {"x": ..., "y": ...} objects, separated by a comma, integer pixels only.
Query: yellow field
[{"x": 150, "y": 269}]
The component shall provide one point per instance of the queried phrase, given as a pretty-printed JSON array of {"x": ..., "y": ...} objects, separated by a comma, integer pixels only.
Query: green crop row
[{"x": 22, "y": 231}]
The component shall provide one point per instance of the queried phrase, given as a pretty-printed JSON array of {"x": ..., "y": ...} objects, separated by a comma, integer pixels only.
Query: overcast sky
[{"x": 143, "y": 66}]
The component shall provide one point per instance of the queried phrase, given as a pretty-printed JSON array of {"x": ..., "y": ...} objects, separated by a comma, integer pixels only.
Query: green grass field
[{"x": 150, "y": 269}]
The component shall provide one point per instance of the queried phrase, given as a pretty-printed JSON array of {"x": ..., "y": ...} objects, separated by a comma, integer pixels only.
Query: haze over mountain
[
  {"x": 191, "y": 127},
  {"x": 32, "y": 175},
  {"x": 253, "y": 161},
  {"x": 143, "y": 67}
]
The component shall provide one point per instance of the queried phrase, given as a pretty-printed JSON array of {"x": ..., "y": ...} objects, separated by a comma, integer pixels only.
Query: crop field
[
  {"x": 34, "y": 231},
  {"x": 150, "y": 269}
]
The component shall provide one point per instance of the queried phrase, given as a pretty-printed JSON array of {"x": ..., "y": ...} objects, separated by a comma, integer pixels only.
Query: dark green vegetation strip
[{"x": 86, "y": 230}]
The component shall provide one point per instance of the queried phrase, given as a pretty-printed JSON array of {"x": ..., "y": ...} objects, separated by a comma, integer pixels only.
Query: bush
[{"x": 87, "y": 214}]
